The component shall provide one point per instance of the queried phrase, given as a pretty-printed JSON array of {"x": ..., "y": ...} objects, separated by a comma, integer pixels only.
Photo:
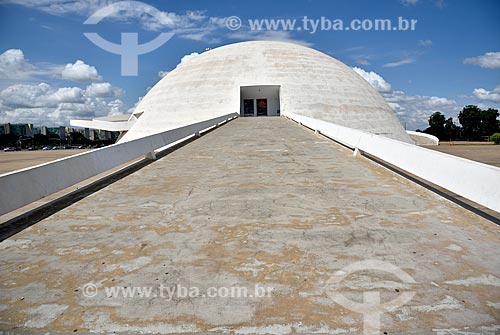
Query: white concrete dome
[{"x": 294, "y": 78}]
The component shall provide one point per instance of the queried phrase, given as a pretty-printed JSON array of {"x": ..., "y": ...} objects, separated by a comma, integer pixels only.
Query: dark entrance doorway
[
  {"x": 248, "y": 107},
  {"x": 261, "y": 100},
  {"x": 261, "y": 107}
]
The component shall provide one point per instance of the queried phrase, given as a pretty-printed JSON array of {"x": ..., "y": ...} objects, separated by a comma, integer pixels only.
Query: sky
[{"x": 50, "y": 72}]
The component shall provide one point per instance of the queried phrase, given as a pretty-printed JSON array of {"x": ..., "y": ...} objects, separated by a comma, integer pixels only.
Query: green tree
[
  {"x": 450, "y": 130},
  {"x": 470, "y": 119},
  {"x": 495, "y": 138},
  {"x": 436, "y": 125},
  {"x": 489, "y": 123}
]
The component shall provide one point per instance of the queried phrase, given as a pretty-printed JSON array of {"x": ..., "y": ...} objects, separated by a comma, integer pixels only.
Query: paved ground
[
  {"x": 15, "y": 160},
  {"x": 485, "y": 153},
  {"x": 256, "y": 202}
]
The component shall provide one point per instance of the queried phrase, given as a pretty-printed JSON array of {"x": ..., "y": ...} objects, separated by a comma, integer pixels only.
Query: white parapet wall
[
  {"x": 25, "y": 186},
  {"x": 423, "y": 138},
  {"x": 472, "y": 180}
]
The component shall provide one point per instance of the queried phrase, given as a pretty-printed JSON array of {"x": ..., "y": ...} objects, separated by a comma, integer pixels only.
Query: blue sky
[{"x": 50, "y": 72}]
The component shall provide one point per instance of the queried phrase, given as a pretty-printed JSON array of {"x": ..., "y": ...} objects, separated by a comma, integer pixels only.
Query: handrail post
[{"x": 151, "y": 155}]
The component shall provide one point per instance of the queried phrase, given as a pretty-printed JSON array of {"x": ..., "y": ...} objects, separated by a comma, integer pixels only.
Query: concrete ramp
[{"x": 266, "y": 207}]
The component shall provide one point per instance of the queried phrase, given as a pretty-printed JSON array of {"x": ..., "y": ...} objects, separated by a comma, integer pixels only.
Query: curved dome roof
[{"x": 311, "y": 84}]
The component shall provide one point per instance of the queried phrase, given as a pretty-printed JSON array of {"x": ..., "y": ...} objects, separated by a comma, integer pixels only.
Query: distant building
[
  {"x": 59, "y": 132},
  {"x": 56, "y": 132},
  {"x": 103, "y": 135},
  {"x": 18, "y": 129}
]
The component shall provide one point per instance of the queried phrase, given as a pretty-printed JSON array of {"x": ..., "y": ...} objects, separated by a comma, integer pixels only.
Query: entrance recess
[{"x": 263, "y": 100}]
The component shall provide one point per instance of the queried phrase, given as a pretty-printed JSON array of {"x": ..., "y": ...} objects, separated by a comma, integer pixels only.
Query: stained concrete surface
[{"x": 259, "y": 201}]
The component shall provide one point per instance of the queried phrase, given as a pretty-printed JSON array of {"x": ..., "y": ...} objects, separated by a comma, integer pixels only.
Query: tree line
[{"x": 476, "y": 124}]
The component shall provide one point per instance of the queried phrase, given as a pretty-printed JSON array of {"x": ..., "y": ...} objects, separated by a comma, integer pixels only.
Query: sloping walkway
[{"x": 261, "y": 204}]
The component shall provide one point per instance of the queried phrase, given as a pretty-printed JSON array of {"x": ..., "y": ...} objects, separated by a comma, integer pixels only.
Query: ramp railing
[
  {"x": 22, "y": 187},
  {"x": 472, "y": 180}
]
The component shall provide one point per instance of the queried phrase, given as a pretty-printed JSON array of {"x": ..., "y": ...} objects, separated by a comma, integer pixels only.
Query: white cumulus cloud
[
  {"x": 374, "y": 79},
  {"x": 80, "y": 72},
  {"x": 185, "y": 58},
  {"x": 18, "y": 96},
  {"x": 490, "y": 60},
  {"x": 64, "y": 95},
  {"x": 14, "y": 66},
  {"x": 44, "y": 104},
  {"x": 412, "y": 110},
  {"x": 115, "y": 107},
  {"x": 102, "y": 90},
  {"x": 482, "y": 94},
  {"x": 22, "y": 100}
]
